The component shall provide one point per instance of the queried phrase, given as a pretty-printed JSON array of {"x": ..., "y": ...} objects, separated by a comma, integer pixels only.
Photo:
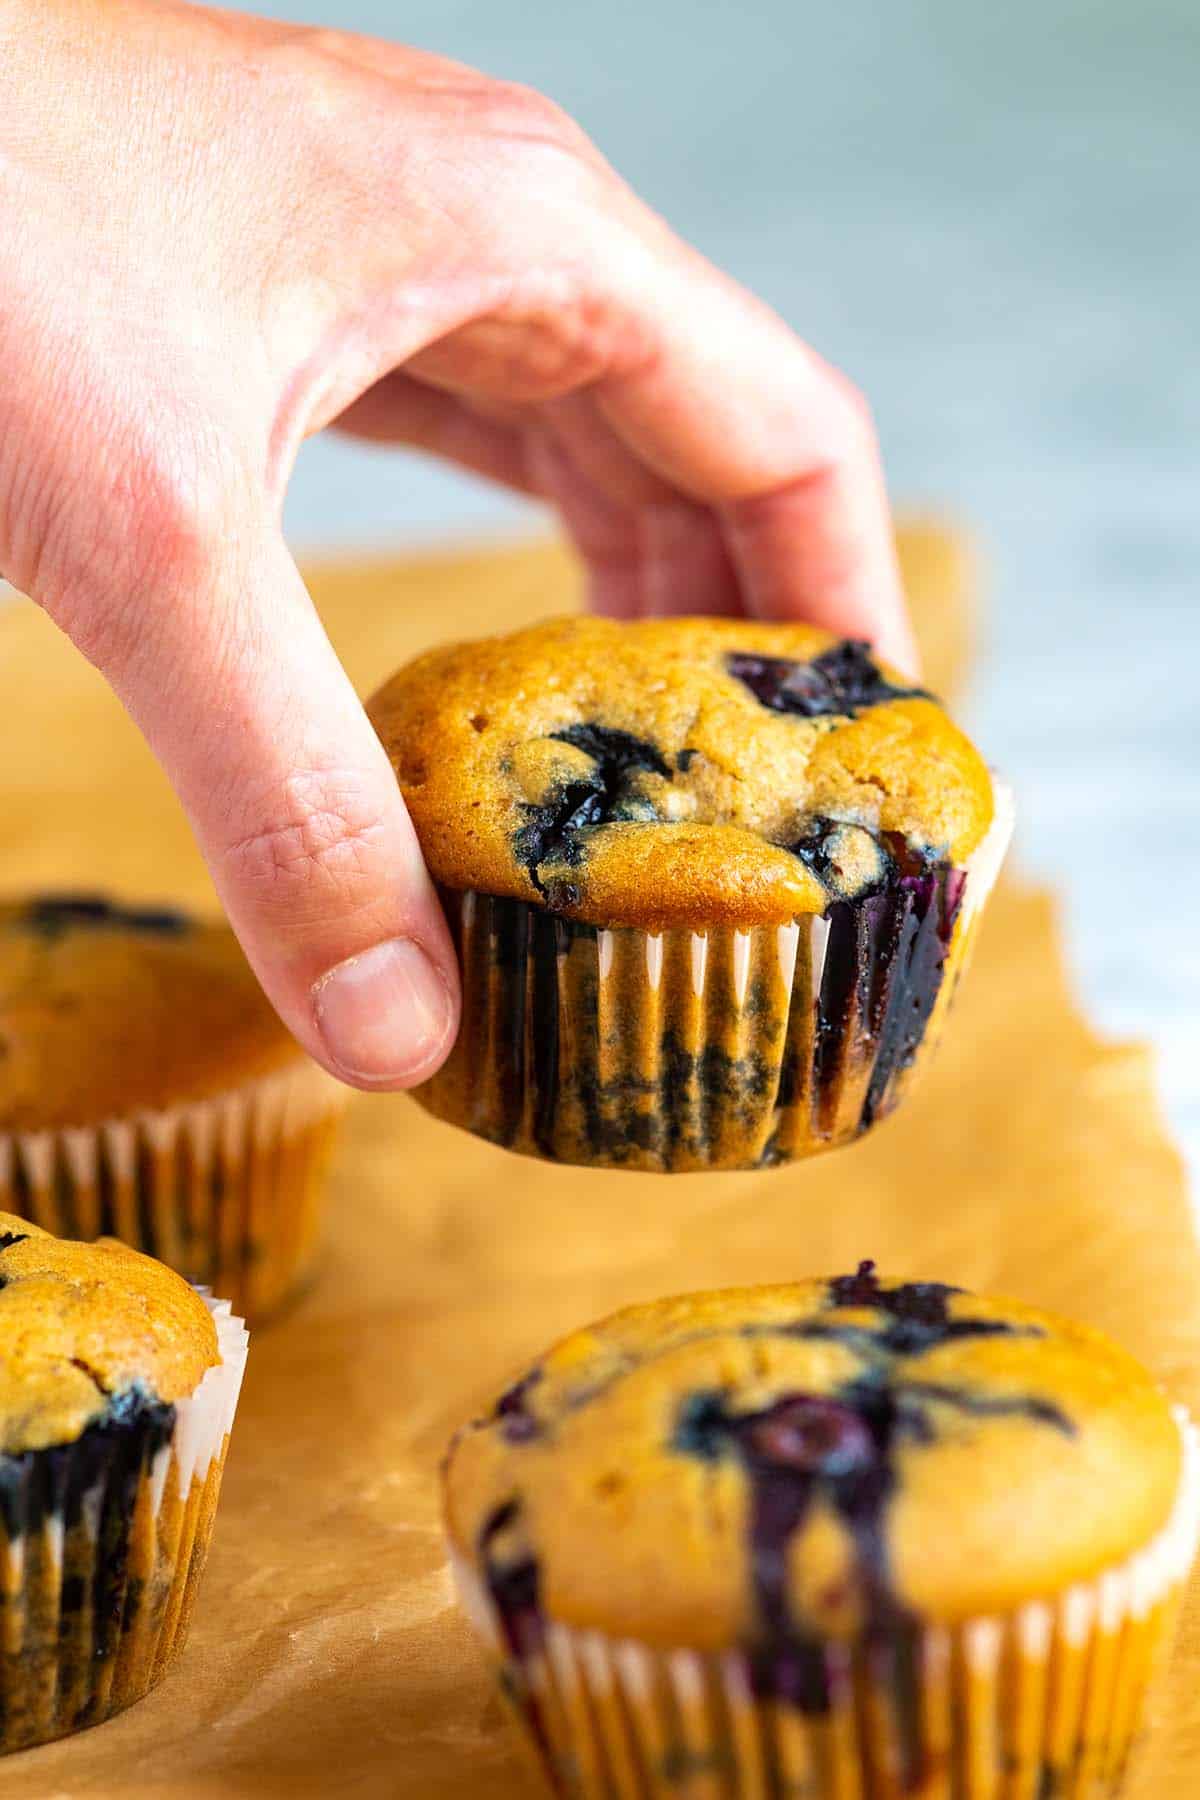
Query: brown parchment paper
[{"x": 327, "y": 1657}]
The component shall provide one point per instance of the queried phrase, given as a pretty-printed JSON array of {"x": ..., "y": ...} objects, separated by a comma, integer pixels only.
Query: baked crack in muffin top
[{"x": 677, "y": 771}]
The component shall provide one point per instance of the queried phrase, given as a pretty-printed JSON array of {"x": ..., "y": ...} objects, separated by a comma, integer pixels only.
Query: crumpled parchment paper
[{"x": 327, "y": 1657}]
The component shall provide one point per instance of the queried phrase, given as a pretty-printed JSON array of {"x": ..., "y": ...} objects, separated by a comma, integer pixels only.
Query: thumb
[{"x": 229, "y": 674}]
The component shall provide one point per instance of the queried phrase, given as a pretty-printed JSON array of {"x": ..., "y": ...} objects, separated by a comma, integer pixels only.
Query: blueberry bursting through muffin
[
  {"x": 555, "y": 832},
  {"x": 841, "y": 683},
  {"x": 803, "y": 1451}
]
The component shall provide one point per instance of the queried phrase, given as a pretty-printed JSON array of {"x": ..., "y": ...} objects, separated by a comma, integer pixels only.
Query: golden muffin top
[
  {"x": 676, "y": 771},
  {"x": 88, "y": 1330},
  {"x": 107, "y": 1010},
  {"x": 764, "y": 1465}
]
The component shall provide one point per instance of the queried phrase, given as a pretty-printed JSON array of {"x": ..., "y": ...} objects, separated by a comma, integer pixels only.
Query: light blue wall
[{"x": 989, "y": 215}]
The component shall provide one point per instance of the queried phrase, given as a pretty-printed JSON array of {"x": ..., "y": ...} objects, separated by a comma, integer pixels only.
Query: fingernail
[{"x": 384, "y": 1015}]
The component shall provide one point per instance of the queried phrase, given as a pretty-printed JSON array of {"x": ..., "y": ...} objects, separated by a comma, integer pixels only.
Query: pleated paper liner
[
  {"x": 102, "y": 1543},
  {"x": 684, "y": 1050},
  {"x": 1046, "y": 1703},
  {"x": 228, "y": 1191}
]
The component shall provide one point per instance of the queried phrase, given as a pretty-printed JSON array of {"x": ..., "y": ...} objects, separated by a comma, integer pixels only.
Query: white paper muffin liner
[
  {"x": 1044, "y": 1703},
  {"x": 102, "y": 1543},
  {"x": 227, "y": 1191},
  {"x": 684, "y": 1050}
]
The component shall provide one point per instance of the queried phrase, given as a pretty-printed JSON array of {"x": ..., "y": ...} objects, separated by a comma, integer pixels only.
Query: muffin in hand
[
  {"x": 148, "y": 1090},
  {"x": 118, "y": 1384},
  {"x": 846, "y": 1537},
  {"x": 712, "y": 883}
]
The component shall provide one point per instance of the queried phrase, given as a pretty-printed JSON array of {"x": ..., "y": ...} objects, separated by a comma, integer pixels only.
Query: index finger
[{"x": 732, "y": 408}]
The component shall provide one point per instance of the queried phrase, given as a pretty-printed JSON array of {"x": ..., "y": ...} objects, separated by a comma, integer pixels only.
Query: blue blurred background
[{"x": 988, "y": 217}]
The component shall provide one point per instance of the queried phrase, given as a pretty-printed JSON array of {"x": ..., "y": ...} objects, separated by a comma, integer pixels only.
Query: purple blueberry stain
[
  {"x": 839, "y": 1450},
  {"x": 553, "y": 831},
  {"x": 860, "y": 1289},
  {"x": 883, "y": 970},
  {"x": 517, "y": 1423},
  {"x": 513, "y": 1581},
  {"x": 813, "y": 1436},
  {"x": 820, "y": 849},
  {"x": 840, "y": 683},
  {"x": 801, "y": 1450},
  {"x": 36, "y": 1485},
  {"x": 7, "y": 1239},
  {"x": 917, "y": 1315}
]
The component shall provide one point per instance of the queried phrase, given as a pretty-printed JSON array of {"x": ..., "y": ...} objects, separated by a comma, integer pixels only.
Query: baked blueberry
[
  {"x": 843, "y": 680},
  {"x": 828, "y": 1538}
]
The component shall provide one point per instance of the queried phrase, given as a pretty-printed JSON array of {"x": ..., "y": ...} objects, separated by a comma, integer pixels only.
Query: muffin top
[
  {"x": 676, "y": 771},
  {"x": 108, "y": 1010},
  {"x": 772, "y": 1464},
  {"x": 91, "y": 1332}
]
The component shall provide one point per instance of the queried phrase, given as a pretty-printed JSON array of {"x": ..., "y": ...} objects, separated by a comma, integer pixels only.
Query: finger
[
  {"x": 400, "y": 409},
  {"x": 792, "y": 566},
  {"x": 732, "y": 409},
  {"x": 669, "y": 554},
  {"x": 594, "y": 448},
  {"x": 604, "y": 532},
  {"x": 649, "y": 550},
  {"x": 225, "y": 667},
  {"x": 711, "y": 396},
  {"x": 688, "y": 568},
  {"x": 661, "y": 558},
  {"x": 704, "y": 386},
  {"x": 678, "y": 382}
]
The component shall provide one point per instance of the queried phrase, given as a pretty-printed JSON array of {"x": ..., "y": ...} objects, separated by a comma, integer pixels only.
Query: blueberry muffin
[
  {"x": 148, "y": 1090},
  {"x": 118, "y": 1386},
  {"x": 846, "y": 1537},
  {"x": 712, "y": 883}
]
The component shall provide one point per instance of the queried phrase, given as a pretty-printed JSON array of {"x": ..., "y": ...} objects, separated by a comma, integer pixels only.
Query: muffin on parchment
[
  {"x": 846, "y": 1537},
  {"x": 148, "y": 1090},
  {"x": 712, "y": 883},
  {"x": 118, "y": 1384}
]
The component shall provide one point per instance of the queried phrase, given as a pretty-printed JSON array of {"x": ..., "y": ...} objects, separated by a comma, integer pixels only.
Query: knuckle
[
  {"x": 325, "y": 81},
  {"x": 325, "y": 43},
  {"x": 173, "y": 509},
  {"x": 529, "y": 145},
  {"x": 516, "y": 111}
]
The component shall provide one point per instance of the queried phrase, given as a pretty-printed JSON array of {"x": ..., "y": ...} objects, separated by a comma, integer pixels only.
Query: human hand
[{"x": 219, "y": 235}]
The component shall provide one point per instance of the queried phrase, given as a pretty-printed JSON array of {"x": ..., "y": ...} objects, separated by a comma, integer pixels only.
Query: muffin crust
[{"x": 676, "y": 772}]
